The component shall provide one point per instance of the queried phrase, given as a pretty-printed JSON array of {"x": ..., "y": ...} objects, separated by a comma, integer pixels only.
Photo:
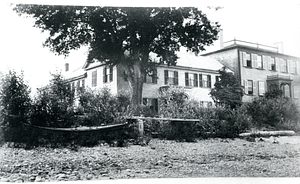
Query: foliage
[
  {"x": 274, "y": 94},
  {"x": 219, "y": 121},
  {"x": 227, "y": 90},
  {"x": 172, "y": 102},
  {"x": 124, "y": 35},
  {"x": 14, "y": 106},
  {"x": 53, "y": 106},
  {"x": 103, "y": 108},
  {"x": 276, "y": 112},
  {"x": 226, "y": 122}
]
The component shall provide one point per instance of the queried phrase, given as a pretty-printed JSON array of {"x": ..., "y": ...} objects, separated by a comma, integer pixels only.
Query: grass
[{"x": 160, "y": 159}]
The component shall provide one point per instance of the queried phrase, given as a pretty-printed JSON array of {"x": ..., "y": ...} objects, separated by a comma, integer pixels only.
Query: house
[
  {"x": 260, "y": 68},
  {"x": 197, "y": 74}
]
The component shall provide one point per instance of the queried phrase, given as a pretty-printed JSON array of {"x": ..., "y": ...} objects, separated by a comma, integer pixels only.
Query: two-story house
[
  {"x": 260, "y": 68},
  {"x": 197, "y": 74}
]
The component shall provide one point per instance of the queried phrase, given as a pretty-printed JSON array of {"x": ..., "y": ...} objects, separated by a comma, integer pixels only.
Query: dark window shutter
[
  {"x": 104, "y": 75},
  {"x": 200, "y": 79},
  {"x": 186, "y": 79},
  {"x": 154, "y": 76},
  {"x": 166, "y": 77},
  {"x": 195, "y": 80},
  {"x": 175, "y": 78},
  {"x": 83, "y": 84},
  {"x": 155, "y": 104},
  {"x": 209, "y": 81},
  {"x": 111, "y": 70}
]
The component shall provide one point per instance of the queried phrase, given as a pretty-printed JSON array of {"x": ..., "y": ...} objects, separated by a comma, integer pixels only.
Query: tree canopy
[
  {"x": 124, "y": 35},
  {"x": 227, "y": 90}
]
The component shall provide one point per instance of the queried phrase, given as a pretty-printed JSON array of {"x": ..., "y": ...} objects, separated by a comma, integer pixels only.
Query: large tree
[{"x": 124, "y": 35}]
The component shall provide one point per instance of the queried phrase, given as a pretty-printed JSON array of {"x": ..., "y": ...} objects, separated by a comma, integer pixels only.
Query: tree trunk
[{"x": 136, "y": 81}]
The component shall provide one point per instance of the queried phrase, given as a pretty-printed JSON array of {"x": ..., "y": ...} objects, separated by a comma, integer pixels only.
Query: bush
[
  {"x": 172, "y": 102},
  {"x": 15, "y": 105},
  {"x": 220, "y": 121},
  {"x": 103, "y": 108},
  {"x": 53, "y": 107},
  {"x": 275, "y": 112}
]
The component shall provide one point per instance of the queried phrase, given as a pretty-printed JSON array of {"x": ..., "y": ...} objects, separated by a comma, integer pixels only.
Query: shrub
[
  {"x": 220, "y": 121},
  {"x": 53, "y": 106},
  {"x": 103, "y": 108},
  {"x": 275, "y": 112},
  {"x": 15, "y": 105},
  {"x": 172, "y": 102}
]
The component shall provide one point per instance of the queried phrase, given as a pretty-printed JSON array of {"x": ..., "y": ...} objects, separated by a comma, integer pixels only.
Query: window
[
  {"x": 248, "y": 87},
  {"x": 259, "y": 62},
  {"x": 171, "y": 77},
  {"x": 292, "y": 67},
  {"x": 195, "y": 82},
  {"x": 205, "y": 81},
  {"x": 191, "y": 79},
  {"x": 271, "y": 64},
  {"x": 78, "y": 85},
  {"x": 94, "y": 78},
  {"x": 286, "y": 90},
  {"x": 73, "y": 86},
  {"x": 107, "y": 74},
  {"x": 151, "y": 77},
  {"x": 261, "y": 88},
  {"x": 246, "y": 59},
  {"x": 277, "y": 64},
  {"x": 283, "y": 65}
]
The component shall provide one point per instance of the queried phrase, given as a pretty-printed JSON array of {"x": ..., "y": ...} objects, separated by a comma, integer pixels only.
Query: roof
[
  {"x": 186, "y": 59},
  {"x": 75, "y": 74},
  {"x": 191, "y": 60},
  {"x": 237, "y": 46},
  {"x": 90, "y": 65}
]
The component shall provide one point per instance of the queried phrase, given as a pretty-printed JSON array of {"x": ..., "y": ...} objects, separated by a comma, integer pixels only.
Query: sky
[{"x": 265, "y": 23}]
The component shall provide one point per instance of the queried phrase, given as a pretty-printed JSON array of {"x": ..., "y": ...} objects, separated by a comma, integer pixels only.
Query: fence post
[{"x": 140, "y": 127}]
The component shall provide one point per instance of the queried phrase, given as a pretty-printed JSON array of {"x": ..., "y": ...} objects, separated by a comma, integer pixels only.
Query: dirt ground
[{"x": 266, "y": 157}]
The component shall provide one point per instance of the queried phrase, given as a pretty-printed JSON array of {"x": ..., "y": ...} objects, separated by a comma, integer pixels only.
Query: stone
[
  {"x": 160, "y": 162},
  {"x": 4, "y": 180},
  {"x": 39, "y": 179},
  {"x": 103, "y": 172},
  {"x": 89, "y": 177},
  {"x": 32, "y": 178},
  {"x": 61, "y": 177}
]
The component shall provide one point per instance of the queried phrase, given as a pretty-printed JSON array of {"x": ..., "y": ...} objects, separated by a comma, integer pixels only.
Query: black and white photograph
[{"x": 150, "y": 92}]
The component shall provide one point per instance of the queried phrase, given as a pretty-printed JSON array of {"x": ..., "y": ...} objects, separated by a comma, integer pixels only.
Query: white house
[{"x": 197, "y": 74}]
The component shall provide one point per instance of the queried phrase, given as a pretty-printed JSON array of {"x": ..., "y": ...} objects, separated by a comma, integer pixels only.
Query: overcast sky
[{"x": 21, "y": 44}]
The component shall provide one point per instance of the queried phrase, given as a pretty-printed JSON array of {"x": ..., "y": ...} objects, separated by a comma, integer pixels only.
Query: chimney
[
  {"x": 221, "y": 38},
  {"x": 66, "y": 67},
  {"x": 279, "y": 46}
]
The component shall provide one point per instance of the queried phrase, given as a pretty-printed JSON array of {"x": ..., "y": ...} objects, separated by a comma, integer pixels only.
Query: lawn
[{"x": 159, "y": 159}]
